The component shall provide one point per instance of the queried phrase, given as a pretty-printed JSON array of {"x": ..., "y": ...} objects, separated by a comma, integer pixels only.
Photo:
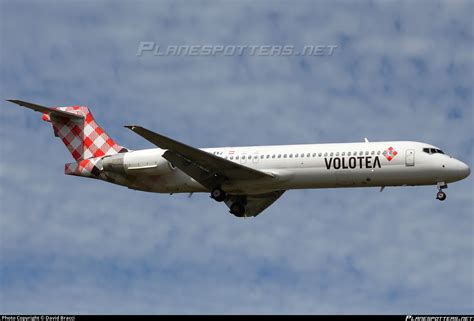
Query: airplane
[{"x": 247, "y": 179}]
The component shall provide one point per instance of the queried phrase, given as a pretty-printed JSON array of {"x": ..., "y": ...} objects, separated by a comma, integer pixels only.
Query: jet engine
[{"x": 143, "y": 162}]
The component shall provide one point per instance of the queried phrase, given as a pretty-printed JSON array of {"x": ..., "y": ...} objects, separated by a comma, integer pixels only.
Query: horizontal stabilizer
[{"x": 46, "y": 110}]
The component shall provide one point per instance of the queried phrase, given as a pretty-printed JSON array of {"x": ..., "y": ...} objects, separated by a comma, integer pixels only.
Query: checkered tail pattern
[{"x": 84, "y": 139}]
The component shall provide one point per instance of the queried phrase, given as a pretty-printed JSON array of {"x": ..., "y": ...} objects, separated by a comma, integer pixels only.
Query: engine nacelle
[{"x": 142, "y": 162}]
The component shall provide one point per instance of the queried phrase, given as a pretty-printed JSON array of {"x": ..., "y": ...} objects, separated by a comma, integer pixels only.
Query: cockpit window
[{"x": 432, "y": 151}]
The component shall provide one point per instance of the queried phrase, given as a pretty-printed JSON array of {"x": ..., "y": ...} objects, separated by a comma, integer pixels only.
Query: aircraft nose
[
  {"x": 464, "y": 170},
  {"x": 456, "y": 170},
  {"x": 459, "y": 169}
]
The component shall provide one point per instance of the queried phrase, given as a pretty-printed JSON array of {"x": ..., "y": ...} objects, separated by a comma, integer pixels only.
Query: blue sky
[{"x": 402, "y": 71}]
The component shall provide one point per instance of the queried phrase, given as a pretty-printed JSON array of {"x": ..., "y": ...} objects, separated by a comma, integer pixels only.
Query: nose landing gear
[{"x": 441, "y": 195}]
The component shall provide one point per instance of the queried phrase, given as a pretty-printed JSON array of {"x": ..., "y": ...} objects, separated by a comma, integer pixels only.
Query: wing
[
  {"x": 207, "y": 169},
  {"x": 255, "y": 204}
]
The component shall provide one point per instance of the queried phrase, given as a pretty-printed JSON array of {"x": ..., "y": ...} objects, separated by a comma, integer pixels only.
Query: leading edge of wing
[{"x": 210, "y": 162}]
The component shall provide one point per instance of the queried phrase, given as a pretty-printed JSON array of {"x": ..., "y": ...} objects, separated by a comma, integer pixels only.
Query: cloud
[{"x": 70, "y": 245}]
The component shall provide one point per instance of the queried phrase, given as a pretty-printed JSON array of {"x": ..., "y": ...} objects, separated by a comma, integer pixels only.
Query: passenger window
[
  {"x": 348, "y": 153},
  {"x": 268, "y": 156},
  {"x": 320, "y": 154},
  {"x": 279, "y": 155},
  {"x": 366, "y": 153},
  {"x": 372, "y": 153},
  {"x": 337, "y": 154},
  {"x": 361, "y": 153},
  {"x": 291, "y": 155},
  {"x": 325, "y": 154},
  {"x": 378, "y": 152},
  {"x": 307, "y": 155},
  {"x": 331, "y": 154},
  {"x": 284, "y": 155},
  {"x": 314, "y": 154},
  {"x": 236, "y": 157},
  {"x": 231, "y": 157},
  {"x": 343, "y": 154},
  {"x": 302, "y": 155},
  {"x": 273, "y": 156}
]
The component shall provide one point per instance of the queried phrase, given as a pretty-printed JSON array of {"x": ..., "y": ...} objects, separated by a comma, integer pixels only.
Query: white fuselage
[{"x": 394, "y": 163}]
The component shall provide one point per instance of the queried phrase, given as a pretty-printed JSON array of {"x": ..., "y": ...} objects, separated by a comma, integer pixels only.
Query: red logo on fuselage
[{"x": 390, "y": 153}]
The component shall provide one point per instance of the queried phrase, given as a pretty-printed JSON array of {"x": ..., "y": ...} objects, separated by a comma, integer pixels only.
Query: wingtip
[{"x": 131, "y": 127}]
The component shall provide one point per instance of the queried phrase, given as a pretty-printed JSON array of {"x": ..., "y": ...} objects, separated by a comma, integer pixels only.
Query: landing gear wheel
[
  {"x": 237, "y": 209},
  {"x": 218, "y": 194},
  {"x": 441, "y": 196}
]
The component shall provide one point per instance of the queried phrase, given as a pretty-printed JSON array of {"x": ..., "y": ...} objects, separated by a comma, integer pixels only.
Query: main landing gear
[
  {"x": 237, "y": 206},
  {"x": 441, "y": 195},
  {"x": 238, "y": 209},
  {"x": 218, "y": 194}
]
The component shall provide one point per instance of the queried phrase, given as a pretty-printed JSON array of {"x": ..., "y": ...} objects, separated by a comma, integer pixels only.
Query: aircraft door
[{"x": 410, "y": 157}]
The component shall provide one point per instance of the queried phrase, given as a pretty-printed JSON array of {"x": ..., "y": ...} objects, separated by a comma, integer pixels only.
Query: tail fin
[{"x": 76, "y": 127}]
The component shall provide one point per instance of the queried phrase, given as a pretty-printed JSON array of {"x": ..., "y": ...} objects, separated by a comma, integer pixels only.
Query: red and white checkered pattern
[
  {"x": 84, "y": 138},
  {"x": 390, "y": 153},
  {"x": 84, "y": 167}
]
